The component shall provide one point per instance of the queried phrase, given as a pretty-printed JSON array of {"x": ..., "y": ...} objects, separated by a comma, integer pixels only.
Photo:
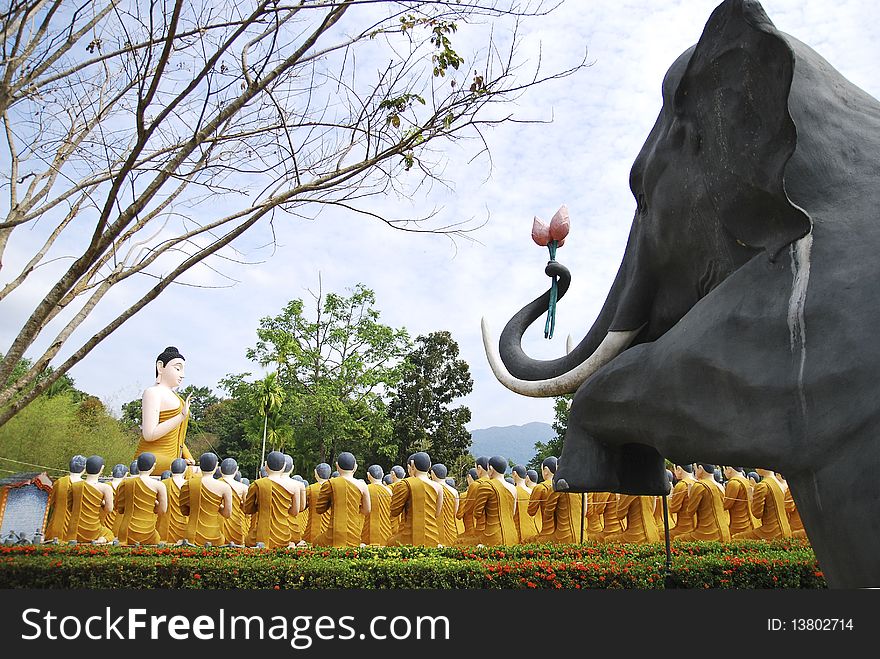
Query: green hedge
[{"x": 744, "y": 564}]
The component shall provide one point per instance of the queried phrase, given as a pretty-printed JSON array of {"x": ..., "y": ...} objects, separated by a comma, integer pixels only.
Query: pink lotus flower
[
  {"x": 558, "y": 229},
  {"x": 540, "y": 232}
]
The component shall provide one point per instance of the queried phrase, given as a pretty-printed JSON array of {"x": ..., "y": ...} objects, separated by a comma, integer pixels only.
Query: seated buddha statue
[
  {"x": 271, "y": 502},
  {"x": 172, "y": 524},
  {"x": 88, "y": 498},
  {"x": 164, "y": 414},
  {"x": 58, "y": 518},
  {"x": 206, "y": 501},
  {"x": 235, "y": 527},
  {"x": 347, "y": 500},
  {"x": 139, "y": 502}
]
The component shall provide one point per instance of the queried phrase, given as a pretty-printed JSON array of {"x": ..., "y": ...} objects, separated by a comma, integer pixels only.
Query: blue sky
[{"x": 598, "y": 120}]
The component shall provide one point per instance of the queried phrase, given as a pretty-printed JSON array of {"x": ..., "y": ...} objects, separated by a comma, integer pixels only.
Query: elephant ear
[{"x": 735, "y": 93}]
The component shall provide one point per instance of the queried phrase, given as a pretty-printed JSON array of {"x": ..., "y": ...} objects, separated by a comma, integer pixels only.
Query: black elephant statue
[{"x": 742, "y": 326}]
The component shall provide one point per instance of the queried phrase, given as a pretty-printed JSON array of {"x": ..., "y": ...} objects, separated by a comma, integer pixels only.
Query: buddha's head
[
  {"x": 170, "y": 368},
  {"x": 471, "y": 475},
  {"x": 386, "y": 479},
  {"x": 228, "y": 467},
  {"x": 274, "y": 463},
  {"x": 208, "y": 463},
  {"x": 133, "y": 468},
  {"x": 288, "y": 464},
  {"x": 497, "y": 465},
  {"x": 323, "y": 471},
  {"x": 450, "y": 482},
  {"x": 420, "y": 462},
  {"x": 346, "y": 462},
  {"x": 519, "y": 474},
  {"x": 683, "y": 471},
  {"x": 399, "y": 472},
  {"x": 166, "y": 474},
  {"x": 178, "y": 466},
  {"x": 482, "y": 465},
  {"x": 376, "y": 473},
  {"x": 145, "y": 464},
  {"x": 532, "y": 475},
  {"x": 119, "y": 471},
  {"x": 549, "y": 466}
]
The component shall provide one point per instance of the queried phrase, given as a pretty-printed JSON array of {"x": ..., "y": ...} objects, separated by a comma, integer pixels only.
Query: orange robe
[
  {"x": 448, "y": 526},
  {"x": 494, "y": 505},
  {"x": 86, "y": 505},
  {"x": 596, "y": 504},
  {"x": 768, "y": 506},
  {"x": 316, "y": 523},
  {"x": 340, "y": 499},
  {"x": 526, "y": 525},
  {"x": 794, "y": 517},
  {"x": 172, "y": 523},
  {"x": 416, "y": 501},
  {"x": 684, "y": 522},
  {"x": 566, "y": 512},
  {"x": 59, "y": 512},
  {"x": 638, "y": 512},
  {"x": 706, "y": 504},
  {"x": 169, "y": 446},
  {"x": 268, "y": 503},
  {"x": 537, "y": 505},
  {"x": 474, "y": 527},
  {"x": 202, "y": 507},
  {"x": 235, "y": 526},
  {"x": 136, "y": 511},
  {"x": 736, "y": 503},
  {"x": 463, "y": 525},
  {"x": 377, "y": 525}
]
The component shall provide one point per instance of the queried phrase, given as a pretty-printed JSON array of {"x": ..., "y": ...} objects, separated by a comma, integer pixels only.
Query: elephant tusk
[{"x": 612, "y": 345}]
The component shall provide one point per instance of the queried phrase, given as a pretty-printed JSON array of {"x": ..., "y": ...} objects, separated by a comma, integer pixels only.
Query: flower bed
[{"x": 742, "y": 564}]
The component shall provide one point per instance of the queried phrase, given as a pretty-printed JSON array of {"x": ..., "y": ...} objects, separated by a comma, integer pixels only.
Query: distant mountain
[{"x": 516, "y": 443}]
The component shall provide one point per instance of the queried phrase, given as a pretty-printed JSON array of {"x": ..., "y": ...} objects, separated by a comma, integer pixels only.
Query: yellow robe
[
  {"x": 340, "y": 499},
  {"x": 316, "y": 523},
  {"x": 684, "y": 523},
  {"x": 474, "y": 527},
  {"x": 768, "y": 506},
  {"x": 462, "y": 525},
  {"x": 59, "y": 512},
  {"x": 611, "y": 515},
  {"x": 794, "y": 517},
  {"x": 202, "y": 507},
  {"x": 377, "y": 525},
  {"x": 172, "y": 524},
  {"x": 136, "y": 511},
  {"x": 494, "y": 506},
  {"x": 268, "y": 503},
  {"x": 235, "y": 526},
  {"x": 526, "y": 525},
  {"x": 638, "y": 512},
  {"x": 706, "y": 504},
  {"x": 537, "y": 505},
  {"x": 416, "y": 501},
  {"x": 86, "y": 504},
  {"x": 448, "y": 526},
  {"x": 596, "y": 504},
  {"x": 566, "y": 512},
  {"x": 169, "y": 446},
  {"x": 736, "y": 503}
]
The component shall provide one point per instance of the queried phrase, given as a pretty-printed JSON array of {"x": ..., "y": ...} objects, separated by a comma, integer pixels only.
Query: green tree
[
  {"x": 270, "y": 397},
  {"x": 421, "y": 412},
  {"x": 335, "y": 367},
  {"x": 560, "y": 425}
]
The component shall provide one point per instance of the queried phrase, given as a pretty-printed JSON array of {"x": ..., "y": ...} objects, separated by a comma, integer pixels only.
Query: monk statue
[
  {"x": 794, "y": 517},
  {"x": 495, "y": 506},
  {"x": 164, "y": 414},
  {"x": 538, "y": 500},
  {"x": 387, "y": 479},
  {"x": 172, "y": 524},
  {"x": 139, "y": 502},
  {"x": 235, "y": 527},
  {"x": 636, "y": 514},
  {"x": 767, "y": 503},
  {"x": 464, "y": 518},
  {"x": 58, "y": 520},
  {"x": 397, "y": 475},
  {"x": 87, "y": 499},
  {"x": 526, "y": 525},
  {"x": 346, "y": 500},
  {"x": 566, "y": 513},
  {"x": 316, "y": 524},
  {"x": 684, "y": 522},
  {"x": 272, "y": 501},
  {"x": 111, "y": 519},
  {"x": 297, "y": 522},
  {"x": 736, "y": 502},
  {"x": 596, "y": 504},
  {"x": 705, "y": 503},
  {"x": 419, "y": 502},
  {"x": 448, "y": 527},
  {"x": 206, "y": 501},
  {"x": 377, "y": 524}
]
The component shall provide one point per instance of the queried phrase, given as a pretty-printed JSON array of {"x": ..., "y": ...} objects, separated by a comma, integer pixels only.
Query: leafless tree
[{"x": 142, "y": 138}]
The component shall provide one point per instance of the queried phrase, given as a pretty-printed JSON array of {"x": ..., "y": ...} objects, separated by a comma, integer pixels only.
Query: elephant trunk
[{"x": 530, "y": 377}]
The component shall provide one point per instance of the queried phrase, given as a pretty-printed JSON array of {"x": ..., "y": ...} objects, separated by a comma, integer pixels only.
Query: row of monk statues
[{"x": 210, "y": 504}]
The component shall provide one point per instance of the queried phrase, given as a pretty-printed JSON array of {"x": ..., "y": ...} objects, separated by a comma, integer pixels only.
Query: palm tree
[{"x": 270, "y": 397}]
